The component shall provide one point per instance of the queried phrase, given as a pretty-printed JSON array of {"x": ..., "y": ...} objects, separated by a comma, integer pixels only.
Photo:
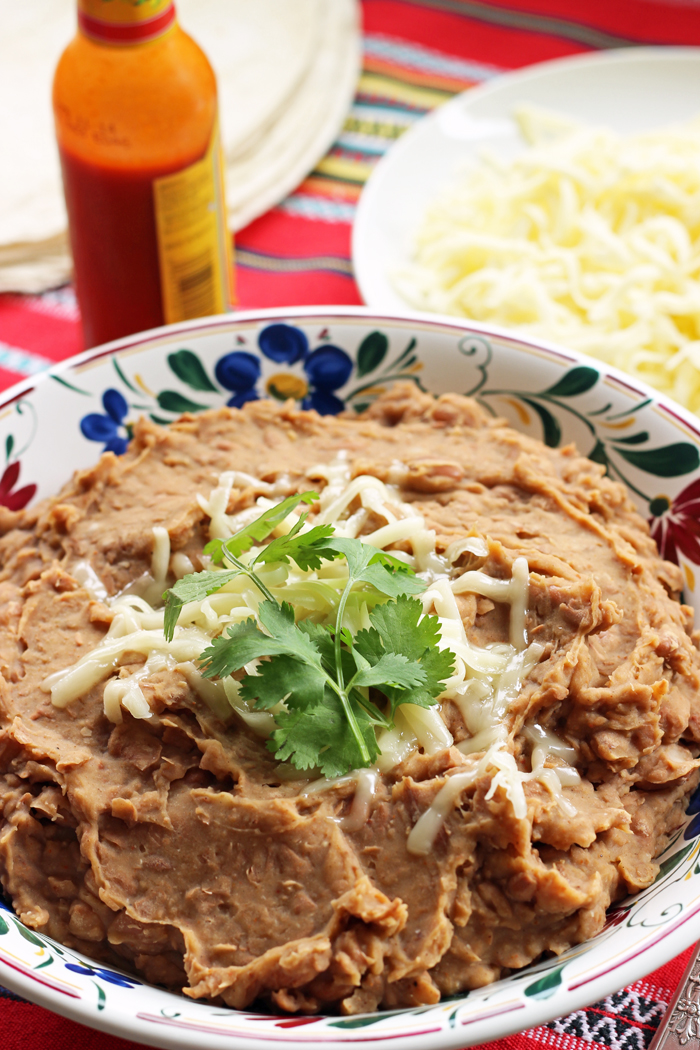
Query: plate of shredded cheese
[{"x": 564, "y": 201}]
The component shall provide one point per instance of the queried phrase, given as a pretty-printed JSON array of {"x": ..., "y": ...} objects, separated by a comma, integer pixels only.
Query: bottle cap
[{"x": 125, "y": 21}]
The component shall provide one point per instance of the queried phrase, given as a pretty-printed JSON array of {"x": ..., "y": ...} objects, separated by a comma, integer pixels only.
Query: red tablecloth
[{"x": 417, "y": 54}]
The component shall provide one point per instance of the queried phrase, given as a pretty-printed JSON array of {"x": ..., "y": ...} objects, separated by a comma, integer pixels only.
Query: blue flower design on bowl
[
  {"x": 109, "y": 427},
  {"x": 239, "y": 372},
  {"x": 111, "y": 976},
  {"x": 328, "y": 369},
  {"x": 283, "y": 343}
]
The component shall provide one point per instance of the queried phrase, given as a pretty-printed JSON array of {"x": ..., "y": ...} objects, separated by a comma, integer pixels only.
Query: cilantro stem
[
  {"x": 251, "y": 575},
  {"x": 350, "y": 715},
  {"x": 344, "y": 698},
  {"x": 338, "y": 627},
  {"x": 371, "y": 709}
]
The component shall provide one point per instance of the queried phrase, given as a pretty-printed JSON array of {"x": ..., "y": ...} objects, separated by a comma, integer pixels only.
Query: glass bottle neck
[{"x": 125, "y": 21}]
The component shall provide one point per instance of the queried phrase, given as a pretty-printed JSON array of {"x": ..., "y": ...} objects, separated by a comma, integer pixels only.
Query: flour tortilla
[
  {"x": 269, "y": 56},
  {"x": 275, "y": 165},
  {"x": 32, "y": 37},
  {"x": 34, "y": 266},
  {"x": 260, "y": 54}
]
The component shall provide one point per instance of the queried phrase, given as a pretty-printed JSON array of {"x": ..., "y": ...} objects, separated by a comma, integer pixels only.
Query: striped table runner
[{"x": 417, "y": 54}]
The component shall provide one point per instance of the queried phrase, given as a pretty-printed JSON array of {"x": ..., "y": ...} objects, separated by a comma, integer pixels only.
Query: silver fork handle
[{"x": 680, "y": 1025}]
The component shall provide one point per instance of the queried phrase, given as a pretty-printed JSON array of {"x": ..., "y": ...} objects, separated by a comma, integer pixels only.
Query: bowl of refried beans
[{"x": 349, "y": 678}]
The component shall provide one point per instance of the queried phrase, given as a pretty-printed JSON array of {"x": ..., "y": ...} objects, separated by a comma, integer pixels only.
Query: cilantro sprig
[
  {"x": 199, "y": 585},
  {"x": 329, "y": 690}
]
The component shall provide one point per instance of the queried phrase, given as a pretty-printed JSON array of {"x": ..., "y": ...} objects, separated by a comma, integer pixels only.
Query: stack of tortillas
[{"x": 287, "y": 71}]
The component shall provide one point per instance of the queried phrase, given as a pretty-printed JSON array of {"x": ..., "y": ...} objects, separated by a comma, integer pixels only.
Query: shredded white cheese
[
  {"x": 395, "y": 744},
  {"x": 485, "y": 682},
  {"x": 586, "y": 238},
  {"x": 426, "y": 828},
  {"x": 69, "y": 685},
  {"x": 160, "y": 558},
  {"x": 365, "y": 782},
  {"x": 506, "y": 776},
  {"x": 86, "y": 576}
]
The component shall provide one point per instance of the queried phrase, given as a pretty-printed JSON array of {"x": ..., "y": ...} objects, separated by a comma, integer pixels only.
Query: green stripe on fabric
[
  {"x": 277, "y": 264},
  {"x": 529, "y": 21}
]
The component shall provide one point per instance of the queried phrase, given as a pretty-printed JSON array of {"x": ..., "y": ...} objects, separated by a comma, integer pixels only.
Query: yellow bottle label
[{"x": 194, "y": 244}]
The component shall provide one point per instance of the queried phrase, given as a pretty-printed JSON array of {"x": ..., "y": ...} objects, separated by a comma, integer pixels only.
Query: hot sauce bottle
[{"x": 136, "y": 121}]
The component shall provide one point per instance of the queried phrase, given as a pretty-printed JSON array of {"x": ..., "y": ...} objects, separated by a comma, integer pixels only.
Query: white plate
[{"x": 629, "y": 90}]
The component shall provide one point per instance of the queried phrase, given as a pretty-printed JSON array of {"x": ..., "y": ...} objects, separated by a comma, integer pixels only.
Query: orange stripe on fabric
[
  {"x": 416, "y": 77},
  {"x": 318, "y": 186}
]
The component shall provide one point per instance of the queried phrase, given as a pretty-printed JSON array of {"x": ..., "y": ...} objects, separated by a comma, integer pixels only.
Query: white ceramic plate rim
[{"x": 374, "y": 254}]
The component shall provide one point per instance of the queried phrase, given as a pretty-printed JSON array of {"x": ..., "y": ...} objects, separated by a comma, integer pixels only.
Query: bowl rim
[
  {"x": 664, "y": 947},
  {"x": 430, "y": 320}
]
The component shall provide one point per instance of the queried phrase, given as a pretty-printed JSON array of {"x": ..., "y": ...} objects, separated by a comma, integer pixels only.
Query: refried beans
[{"x": 175, "y": 845}]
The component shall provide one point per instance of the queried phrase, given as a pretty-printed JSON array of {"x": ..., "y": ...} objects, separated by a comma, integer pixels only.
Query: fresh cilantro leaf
[
  {"x": 244, "y": 642},
  {"x": 324, "y": 640},
  {"x": 357, "y": 554},
  {"x": 299, "y": 683},
  {"x": 322, "y": 637},
  {"x": 397, "y": 627},
  {"x": 191, "y": 588},
  {"x": 389, "y": 582},
  {"x": 257, "y": 530},
  {"x": 346, "y": 636},
  {"x": 438, "y": 665},
  {"x": 278, "y": 621},
  {"x": 307, "y": 549},
  {"x": 215, "y": 550},
  {"x": 391, "y": 669},
  {"x": 403, "y": 628},
  {"x": 322, "y": 722},
  {"x": 232, "y": 650},
  {"x": 306, "y": 642},
  {"x": 320, "y": 737},
  {"x": 368, "y": 565},
  {"x": 292, "y": 532},
  {"x": 368, "y": 646},
  {"x": 391, "y": 562},
  {"x": 300, "y": 686}
]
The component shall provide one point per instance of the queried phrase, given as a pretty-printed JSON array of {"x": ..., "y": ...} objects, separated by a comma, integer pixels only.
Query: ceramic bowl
[{"x": 329, "y": 359}]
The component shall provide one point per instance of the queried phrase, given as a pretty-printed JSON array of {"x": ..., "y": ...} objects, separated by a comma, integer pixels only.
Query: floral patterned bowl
[{"x": 330, "y": 359}]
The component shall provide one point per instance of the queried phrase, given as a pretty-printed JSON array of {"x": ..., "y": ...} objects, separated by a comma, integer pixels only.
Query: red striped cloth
[
  {"x": 625, "y": 1020},
  {"x": 417, "y": 54}
]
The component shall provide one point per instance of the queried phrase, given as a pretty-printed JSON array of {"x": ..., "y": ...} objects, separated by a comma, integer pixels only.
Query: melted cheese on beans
[{"x": 485, "y": 680}]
